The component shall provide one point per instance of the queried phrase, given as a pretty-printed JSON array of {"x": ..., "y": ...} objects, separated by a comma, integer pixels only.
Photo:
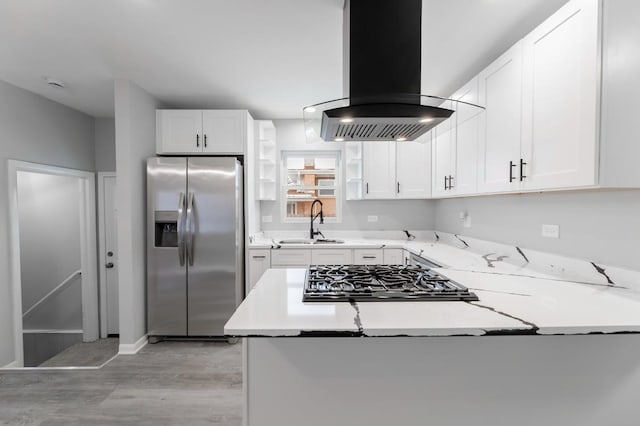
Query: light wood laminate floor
[{"x": 169, "y": 383}]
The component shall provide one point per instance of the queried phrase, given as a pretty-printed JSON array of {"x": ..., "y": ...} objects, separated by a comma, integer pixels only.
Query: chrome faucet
[{"x": 312, "y": 233}]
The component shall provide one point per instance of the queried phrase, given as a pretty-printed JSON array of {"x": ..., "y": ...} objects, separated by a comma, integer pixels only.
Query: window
[{"x": 308, "y": 176}]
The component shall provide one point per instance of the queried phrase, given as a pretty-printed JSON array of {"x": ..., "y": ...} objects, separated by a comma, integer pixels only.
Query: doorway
[{"x": 53, "y": 259}]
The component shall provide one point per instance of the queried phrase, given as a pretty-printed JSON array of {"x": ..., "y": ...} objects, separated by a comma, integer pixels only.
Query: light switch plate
[
  {"x": 372, "y": 218},
  {"x": 267, "y": 219},
  {"x": 551, "y": 231}
]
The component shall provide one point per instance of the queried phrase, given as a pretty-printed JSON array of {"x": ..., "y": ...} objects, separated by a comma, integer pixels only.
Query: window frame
[{"x": 284, "y": 187}]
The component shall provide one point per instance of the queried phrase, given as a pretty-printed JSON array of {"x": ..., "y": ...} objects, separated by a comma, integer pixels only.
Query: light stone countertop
[{"x": 520, "y": 291}]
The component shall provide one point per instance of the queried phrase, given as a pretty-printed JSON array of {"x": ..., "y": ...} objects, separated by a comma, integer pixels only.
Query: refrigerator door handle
[
  {"x": 180, "y": 229},
  {"x": 190, "y": 232}
]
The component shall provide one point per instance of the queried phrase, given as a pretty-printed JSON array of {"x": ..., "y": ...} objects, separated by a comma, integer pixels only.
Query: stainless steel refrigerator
[{"x": 195, "y": 244}]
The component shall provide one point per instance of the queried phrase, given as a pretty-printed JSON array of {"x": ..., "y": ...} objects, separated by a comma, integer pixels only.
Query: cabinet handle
[
  {"x": 258, "y": 257},
  {"x": 367, "y": 186},
  {"x": 511, "y": 166},
  {"x": 398, "y": 187},
  {"x": 197, "y": 141},
  {"x": 368, "y": 257},
  {"x": 205, "y": 140},
  {"x": 445, "y": 183},
  {"x": 450, "y": 179},
  {"x": 522, "y": 164}
]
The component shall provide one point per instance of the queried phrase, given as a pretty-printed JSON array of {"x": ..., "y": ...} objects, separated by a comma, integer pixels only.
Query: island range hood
[{"x": 383, "y": 42}]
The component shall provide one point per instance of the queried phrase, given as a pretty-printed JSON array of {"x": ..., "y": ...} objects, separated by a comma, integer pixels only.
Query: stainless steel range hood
[{"x": 383, "y": 67}]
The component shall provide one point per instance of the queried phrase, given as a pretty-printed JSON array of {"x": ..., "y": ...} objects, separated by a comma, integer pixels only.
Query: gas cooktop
[{"x": 345, "y": 283}]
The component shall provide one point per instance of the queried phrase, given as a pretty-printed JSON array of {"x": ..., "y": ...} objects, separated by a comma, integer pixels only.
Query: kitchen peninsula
[{"x": 558, "y": 331}]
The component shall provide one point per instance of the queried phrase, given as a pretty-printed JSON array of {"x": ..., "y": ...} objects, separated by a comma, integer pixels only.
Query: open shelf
[{"x": 267, "y": 160}]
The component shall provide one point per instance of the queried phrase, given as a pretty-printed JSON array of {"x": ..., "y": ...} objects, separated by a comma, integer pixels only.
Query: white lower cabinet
[
  {"x": 367, "y": 257},
  {"x": 393, "y": 257},
  {"x": 290, "y": 258},
  {"x": 259, "y": 262},
  {"x": 331, "y": 257}
]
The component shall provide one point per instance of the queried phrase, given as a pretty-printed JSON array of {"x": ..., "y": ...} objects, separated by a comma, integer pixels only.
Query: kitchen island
[{"x": 534, "y": 349}]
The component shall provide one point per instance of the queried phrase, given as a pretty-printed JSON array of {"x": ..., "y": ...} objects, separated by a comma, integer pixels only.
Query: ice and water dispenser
[{"x": 166, "y": 228}]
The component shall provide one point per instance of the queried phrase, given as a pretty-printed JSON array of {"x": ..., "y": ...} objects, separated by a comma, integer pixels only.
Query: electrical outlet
[
  {"x": 372, "y": 218},
  {"x": 467, "y": 221},
  {"x": 551, "y": 231},
  {"x": 267, "y": 219}
]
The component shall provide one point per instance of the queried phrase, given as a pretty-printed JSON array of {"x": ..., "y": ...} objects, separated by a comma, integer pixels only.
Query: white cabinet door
[
  {"x": 367, "y": 257},
  {"x": 467, "y": 132},
  {"x": 178, "y": 131},
  {"x": 331, "y": 257},
  {"x": 379, "y": 169},
  {"x": 259, "y": 262},
  {"x": 560, "y": 84},
  {"x": 224, "y": 131},
  {"x": 443, "y": 151},
  {"x": 393, "y": 257},
  {"x": 413, "y": 168},
  {"x": 466, "y": 157},
  {"x": 500, "y": 87}
]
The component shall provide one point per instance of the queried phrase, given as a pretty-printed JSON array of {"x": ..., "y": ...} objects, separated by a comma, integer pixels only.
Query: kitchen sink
[
  {"x": 327, "y": 241},
  {"x": 298, "y": 241},
  {"x": 308, "y": 241}
]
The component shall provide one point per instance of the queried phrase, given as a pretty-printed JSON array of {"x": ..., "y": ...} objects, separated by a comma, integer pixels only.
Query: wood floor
[
  {"x": 169, "y": 383},
  {"x": 91, "y": 354}
]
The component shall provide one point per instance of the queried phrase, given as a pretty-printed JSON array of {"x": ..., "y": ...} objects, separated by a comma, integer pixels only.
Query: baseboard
[
  {"x": 13, "y": 364},
  {"x": 132, "y": 349}
]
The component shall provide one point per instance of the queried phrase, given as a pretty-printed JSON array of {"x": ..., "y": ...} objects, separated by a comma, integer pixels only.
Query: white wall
[
  {"x": 600, "y": 226},
  {"x": 49, "y": 214},
  {"x": 135, "y": 120},
  {"x": 105, "y": 141},
  {"x": 392, "y": 214},
  {"x": 34, "y": 129}
]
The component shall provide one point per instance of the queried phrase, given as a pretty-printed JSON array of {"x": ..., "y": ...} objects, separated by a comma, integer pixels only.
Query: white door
[
  {"x": 500, "y": 88},
  {"x": 413, "y": 168},
  {"x": 110, "y": 255},
  {"x": 443, "y": 151},
  {"x": 379, "y": 169},
  {"x": 223, "y": 131},
  {"x": 179, "y": 131},
  {"x": 559, "y": 123}
]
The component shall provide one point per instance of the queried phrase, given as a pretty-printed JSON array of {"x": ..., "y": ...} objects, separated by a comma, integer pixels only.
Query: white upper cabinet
[
  {"x": 413, "y": 174},
  {"x": 224, "y": 131},
  {"x": 199, "y": 132},
  {"x": 560, "y": 94},
  {"x": 443, "y": 154},
  {"x": 178, "y": 131},
  {"x": 500, "y": 92},
  {"x": 465, "y": 156},
  {"x": 394, "y": 170},
  {"x": 379, "y": 170}
]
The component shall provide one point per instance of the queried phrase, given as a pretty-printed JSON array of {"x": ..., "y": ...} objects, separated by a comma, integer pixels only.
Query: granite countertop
[{"x": 520, "y": 292}]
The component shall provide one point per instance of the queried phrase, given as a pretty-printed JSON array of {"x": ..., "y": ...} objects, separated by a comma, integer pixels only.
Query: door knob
[
  {"x": 109, "y": 253},
  {"x": 109, "y": 265}
]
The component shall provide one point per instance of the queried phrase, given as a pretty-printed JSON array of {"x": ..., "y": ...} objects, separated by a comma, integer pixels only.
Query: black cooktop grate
[{"x": 337, "y": 283}]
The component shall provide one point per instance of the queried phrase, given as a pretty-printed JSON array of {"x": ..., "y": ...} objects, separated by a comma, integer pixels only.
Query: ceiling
[{"x": 269, "y": 56}]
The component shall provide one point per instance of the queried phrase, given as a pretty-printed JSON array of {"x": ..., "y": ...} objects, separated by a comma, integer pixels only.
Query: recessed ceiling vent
[{"x": 383, "y": 70}]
